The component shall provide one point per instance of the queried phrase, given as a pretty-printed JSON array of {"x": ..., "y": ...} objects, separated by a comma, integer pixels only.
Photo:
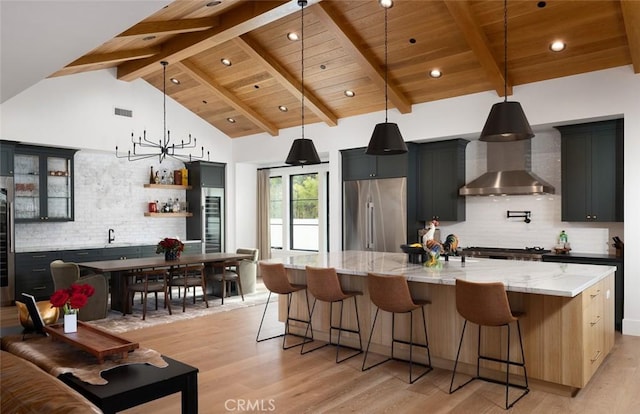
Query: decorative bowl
[{"x": 50, "y": 315}]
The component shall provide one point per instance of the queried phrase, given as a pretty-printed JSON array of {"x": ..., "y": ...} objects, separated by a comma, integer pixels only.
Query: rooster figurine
[{"x": 427, "y": 239}]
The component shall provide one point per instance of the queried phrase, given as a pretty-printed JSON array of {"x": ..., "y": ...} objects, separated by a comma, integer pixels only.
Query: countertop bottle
[{"x": 563, "y": 239}]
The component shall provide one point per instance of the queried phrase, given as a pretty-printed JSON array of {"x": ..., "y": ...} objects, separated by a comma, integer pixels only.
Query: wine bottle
[{"x": 152, "y": 177}]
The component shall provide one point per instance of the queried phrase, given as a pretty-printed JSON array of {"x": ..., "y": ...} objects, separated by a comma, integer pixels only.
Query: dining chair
[
  {"x": 150, "y": 280},
  {"x": 228, "y": 272},
  {"x": 186, "y": 277},
  {"x": 64, "y": 274}
]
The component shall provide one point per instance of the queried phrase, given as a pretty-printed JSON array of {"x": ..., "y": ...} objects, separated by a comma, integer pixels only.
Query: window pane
[
  {"x": 275, "y": 212},
  {"x": 304, "y": 212}
]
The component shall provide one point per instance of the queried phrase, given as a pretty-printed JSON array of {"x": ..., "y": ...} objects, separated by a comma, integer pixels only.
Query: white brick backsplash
[{"x": 109, "y": 193}]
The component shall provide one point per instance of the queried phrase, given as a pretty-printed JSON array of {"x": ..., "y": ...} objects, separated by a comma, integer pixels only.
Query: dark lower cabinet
[
  {"x": 599, "y": 259},
  {"x": 33, "y": 274}
]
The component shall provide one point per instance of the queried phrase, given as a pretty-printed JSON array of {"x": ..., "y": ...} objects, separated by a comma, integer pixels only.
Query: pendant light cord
[
  {"x": 302, "y": 4},
  {"x": 386, "y": 69},
  {"x": 505, "y": 50},
  {"x": 164, "y": 103}
]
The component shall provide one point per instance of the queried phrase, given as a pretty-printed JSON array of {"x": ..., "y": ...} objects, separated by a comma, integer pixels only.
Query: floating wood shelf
[
  {"x": 168, "y": 186},
  {"x": 168, "y": 214}
]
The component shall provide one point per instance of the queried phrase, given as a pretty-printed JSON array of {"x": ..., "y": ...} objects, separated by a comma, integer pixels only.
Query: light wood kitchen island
[{"x": 567, "y": 329}]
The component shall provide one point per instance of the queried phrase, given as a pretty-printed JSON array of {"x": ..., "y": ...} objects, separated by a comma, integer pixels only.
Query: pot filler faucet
[{"x": 112, "y": 236}]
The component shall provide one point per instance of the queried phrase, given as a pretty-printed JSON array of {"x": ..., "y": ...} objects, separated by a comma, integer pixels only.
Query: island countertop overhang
[{"x": 545, "y": 278}]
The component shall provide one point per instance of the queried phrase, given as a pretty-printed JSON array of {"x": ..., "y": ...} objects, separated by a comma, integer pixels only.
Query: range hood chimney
[{"x": 508, "y": 172}]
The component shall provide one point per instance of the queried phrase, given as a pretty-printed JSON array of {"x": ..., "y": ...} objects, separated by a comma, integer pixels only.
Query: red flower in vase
[{"x": 71, "y": 299}]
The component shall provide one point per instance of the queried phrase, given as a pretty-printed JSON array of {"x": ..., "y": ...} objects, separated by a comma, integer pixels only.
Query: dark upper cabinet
[
  {"x": 439, "y": 169},
  {"x": 206, "y": 174},
  {"x": 592, "y": 171},
  {"x": 43, "y": 180},
  {"x": 6, "y": 158},
  {"x": 356, "y": 165}
]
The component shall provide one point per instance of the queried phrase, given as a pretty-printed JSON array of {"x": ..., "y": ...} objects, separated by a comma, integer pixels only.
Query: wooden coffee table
[{"x": 93, "y": 340}]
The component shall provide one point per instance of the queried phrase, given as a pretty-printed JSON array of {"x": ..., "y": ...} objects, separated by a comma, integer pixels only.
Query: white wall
[{"x": 76, "y": 111}]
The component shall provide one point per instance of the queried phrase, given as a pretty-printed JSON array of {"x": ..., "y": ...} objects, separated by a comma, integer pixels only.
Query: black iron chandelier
[{"x": 163, "y": 148}]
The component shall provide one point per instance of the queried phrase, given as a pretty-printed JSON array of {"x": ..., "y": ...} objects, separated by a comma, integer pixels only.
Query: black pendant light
[
  {"x": 386, "y": 138},
  {"x": 507, "y": 121},
  {"x": 302, "y": 151}
]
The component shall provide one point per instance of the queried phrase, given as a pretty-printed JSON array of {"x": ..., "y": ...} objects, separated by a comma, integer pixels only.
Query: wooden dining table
[{"x": 118, "y": 270}]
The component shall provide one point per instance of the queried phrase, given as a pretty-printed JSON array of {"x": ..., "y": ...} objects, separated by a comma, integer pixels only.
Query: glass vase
[{"x": 171, "y": 255}]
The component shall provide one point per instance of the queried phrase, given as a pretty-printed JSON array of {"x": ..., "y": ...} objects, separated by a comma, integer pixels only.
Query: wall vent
[{"x": 123, "y": 112}]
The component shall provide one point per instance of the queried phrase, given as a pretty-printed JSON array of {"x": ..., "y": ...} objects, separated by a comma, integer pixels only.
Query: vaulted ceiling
[{"x": 344, "y": 51}]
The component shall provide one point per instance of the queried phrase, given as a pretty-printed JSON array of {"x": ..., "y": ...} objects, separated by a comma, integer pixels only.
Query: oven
[{"x": 527, "y": 253}]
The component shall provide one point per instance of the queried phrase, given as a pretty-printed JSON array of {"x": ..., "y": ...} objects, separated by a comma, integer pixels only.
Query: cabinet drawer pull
[
  {"x": 596, "y": 321},
  {"x": 42, "y": 269},
  {"x": 593, "y": 295},
  {"x": 39, "y": 256},
  {"x": 40, "y": 288},
  {"x": 596, "y": 356},
  {"x": 82, "y": 253}
]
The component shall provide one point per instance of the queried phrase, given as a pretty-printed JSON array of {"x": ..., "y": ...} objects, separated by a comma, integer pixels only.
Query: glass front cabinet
[{"x": 43, "y": 179}]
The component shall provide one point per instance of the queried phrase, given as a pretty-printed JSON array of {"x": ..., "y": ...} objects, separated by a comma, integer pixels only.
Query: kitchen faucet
[{"x": 112, "y": 236}]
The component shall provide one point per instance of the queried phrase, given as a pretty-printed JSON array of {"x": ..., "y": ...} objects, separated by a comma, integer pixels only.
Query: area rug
[
  {"x": 58, "y": 358},
  {"x": 116, "y": 322}
]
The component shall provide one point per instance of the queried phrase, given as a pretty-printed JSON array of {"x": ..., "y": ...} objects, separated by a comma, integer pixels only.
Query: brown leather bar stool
[
  {"x": 324, "y": 285},
  {"x": 486, "y": 304},
  {"x": 190, "y": 276},
  {"x": 391, "y": 294},
  {"x": 154, "y": 280},
  {"x": 230, "y": 273},
  {"x": 274, "y": 277}
]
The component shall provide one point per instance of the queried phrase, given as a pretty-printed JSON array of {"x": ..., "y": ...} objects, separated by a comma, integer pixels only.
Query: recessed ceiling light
[
  {"x": 204, "y": 101},
  {"x": 557, "y": 46},
  {"x": 147, "y": 38},
  {"x": 349, "y": 93},
  {"x": 231, "y": 120},
  {"x": 387, "y": 4},
  {"x": 213, "y": 3},
  {"x": 283, "y": 108},
  {"x": 293, "y": 36},
  {"x": 176, "y": 81},
  {"x": 435, "y": 73},
  {"x": 225, "y": 61}
]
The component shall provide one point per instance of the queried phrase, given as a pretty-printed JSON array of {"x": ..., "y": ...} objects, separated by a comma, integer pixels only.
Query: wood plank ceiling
[{"x": 344, "y": 50}]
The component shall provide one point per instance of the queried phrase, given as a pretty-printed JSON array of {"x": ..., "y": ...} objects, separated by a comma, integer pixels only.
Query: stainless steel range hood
[{"x": 508, "y": 172}]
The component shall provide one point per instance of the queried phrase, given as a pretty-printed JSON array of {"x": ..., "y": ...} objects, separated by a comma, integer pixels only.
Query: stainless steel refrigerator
[
  {"x": 375, "y": 214},
  {"x": 7, "y": 250}
]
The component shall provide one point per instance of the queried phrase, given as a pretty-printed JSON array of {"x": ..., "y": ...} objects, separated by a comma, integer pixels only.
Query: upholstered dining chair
[
  {"x": 324, "y": 285},
  {"x": 64, "y": 274},
  {"x": 228, "y": 272},
  {"x": 274, "y": 277},
  {"x": 150, "y": 280},
  {"x": 487, "y": 304},
  {"x": 391, "y": 294},
  {"x": 189, "y": 276}
]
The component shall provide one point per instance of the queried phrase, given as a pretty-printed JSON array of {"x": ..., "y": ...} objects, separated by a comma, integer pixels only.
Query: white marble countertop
[
  {"x": 545, "y": 278},
  {"x": 30, "y": 249}
]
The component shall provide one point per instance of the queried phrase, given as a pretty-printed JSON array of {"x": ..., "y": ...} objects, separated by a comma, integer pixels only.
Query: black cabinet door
[
  {"x": 441, "y": 172},
  {"x": 592, "y": 171},
  {"x": 6, "y": 158},
  {"x": 357, "y": 165}
]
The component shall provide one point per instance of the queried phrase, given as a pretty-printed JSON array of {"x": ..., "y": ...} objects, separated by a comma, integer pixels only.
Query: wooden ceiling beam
[
  {"x": 348, "y": 40},
  {"x": 284, "y": 78},
  {"x": 170, "y": 27},
  {"x": 223, "y": 94},
  {"x": 234, "y": 23},
  {"x": 631, "y": 18},
  {"x": 113, "y": 57},
  {"x": 479, "y": 44}
]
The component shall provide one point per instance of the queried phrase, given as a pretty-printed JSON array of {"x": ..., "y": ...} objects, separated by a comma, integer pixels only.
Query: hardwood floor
[{"x": 239, "y": 375}]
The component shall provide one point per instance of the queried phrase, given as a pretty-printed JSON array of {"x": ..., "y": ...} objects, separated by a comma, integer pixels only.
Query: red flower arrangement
[
  {"x": 71, "y": 299},
  {"x": 169, "y": 244}
]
